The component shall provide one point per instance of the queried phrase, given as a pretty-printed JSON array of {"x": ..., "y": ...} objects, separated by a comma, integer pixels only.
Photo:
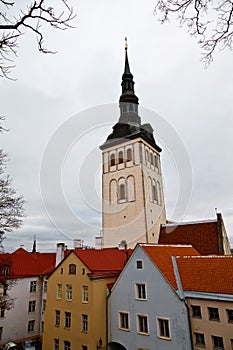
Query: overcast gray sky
[{"x": 55, "y": 98}]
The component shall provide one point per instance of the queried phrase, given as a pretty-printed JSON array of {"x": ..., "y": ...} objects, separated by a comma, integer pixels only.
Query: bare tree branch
[
  {"x": 211, "y": 21},
  {"x": 37, "y": 14}
]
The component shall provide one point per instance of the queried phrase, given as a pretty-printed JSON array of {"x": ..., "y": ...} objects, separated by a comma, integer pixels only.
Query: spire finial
[{"x": 126, "y": 43}]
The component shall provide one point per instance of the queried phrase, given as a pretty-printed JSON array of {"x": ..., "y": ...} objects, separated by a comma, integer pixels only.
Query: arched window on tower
[
  {"x": 150, "y": 189},
  {"x": 156, "y": 161},
  {"x": 113, "y": 192},
  {"x": 129, "y": 155},
  {"x": 154, "y": 192},
  {"x": 120, "y": 157},
  {"x": 147, "y": 156},
  {"x": 159, "y": 193},
  {"x": 112, "y": 159},
  {"x": 122, "y": 190},
  {"x": 131, "y": 188},
  {"x": 152, "y": 158}
]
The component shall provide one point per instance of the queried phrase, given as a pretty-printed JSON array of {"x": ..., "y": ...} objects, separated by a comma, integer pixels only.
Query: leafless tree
[
  {"x": 11, "y": 204},
  {"x": 37, "y": 14},
  {"x": 211, "y": 21}
]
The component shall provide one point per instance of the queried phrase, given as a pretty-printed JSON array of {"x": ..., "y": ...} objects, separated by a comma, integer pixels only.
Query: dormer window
[{"x": 6, "y": 271}]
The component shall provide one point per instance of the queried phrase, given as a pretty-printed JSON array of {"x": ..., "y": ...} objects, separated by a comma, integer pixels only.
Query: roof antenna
[{"x": 34, "y": 245}]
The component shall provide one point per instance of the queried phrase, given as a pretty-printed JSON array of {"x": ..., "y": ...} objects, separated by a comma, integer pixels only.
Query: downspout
[
  {"x": 182, "y": 296},
  {"x": 108, "y": 319}
]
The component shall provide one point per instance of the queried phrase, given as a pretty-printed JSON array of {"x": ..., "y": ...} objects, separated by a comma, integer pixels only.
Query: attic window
[
  {"x": 6, "y": 270},
  {"x": 139, "y": 264},
  {"x": 72, "y": 269}
]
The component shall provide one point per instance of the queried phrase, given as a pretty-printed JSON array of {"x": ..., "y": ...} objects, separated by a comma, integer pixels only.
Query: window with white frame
[
  {"x": 59, "y": 291},
  {"x": 67, "y": 319},
  {"x": 33, "y": 286},
  {"x": 69, "y": 292},
  {"x": 84, "y": 323},
  {"x": 55, "y": 344},
  {"x": 124, "y": 320},
  {"x": 67, "y": 345},
  {"x": 140, "y": 291},
  {"x": 217, "y": 343},
  {"x": 57, "y": 318},
  {"x": 31, "y": 326},
  {"x": 142, "y": 324},
  {"x": 32, "y": 306},
  {"x": 163, "y": 328},
  {"x": 85, "y": 294}
]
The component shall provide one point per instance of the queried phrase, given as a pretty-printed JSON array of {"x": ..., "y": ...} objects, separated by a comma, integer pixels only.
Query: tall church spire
[{"x": 127, "y": 82}]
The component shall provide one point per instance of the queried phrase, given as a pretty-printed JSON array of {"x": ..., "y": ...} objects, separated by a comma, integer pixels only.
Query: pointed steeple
[
  {"x": 127, "y": 82},
  {"x": 34, "y": 245}
]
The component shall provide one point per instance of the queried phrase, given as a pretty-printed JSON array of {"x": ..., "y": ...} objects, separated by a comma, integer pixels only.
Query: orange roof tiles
[
  {"x": 210, "y": 274},
  {"x": 105, "y": 260},
  {"x": 24, "y": 264},
  {"x": 161, "y": 256},
  {"x": 203, "y": 236}
]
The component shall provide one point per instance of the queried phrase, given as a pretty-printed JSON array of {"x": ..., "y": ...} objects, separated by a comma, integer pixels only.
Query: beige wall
[
  {"x": 203, "y": 325},
  {"x": 95, "y": 308},
  {"x": 137, "y": 219}
]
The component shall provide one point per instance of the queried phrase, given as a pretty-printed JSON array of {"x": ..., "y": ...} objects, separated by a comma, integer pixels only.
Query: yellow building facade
[{"x": 75, "y": 316}]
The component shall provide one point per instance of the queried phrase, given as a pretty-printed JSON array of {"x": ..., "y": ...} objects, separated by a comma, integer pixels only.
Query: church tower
[{"x": 132, "y": 194}]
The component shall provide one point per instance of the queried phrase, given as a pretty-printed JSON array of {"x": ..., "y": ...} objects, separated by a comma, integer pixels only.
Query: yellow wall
[{"x": 95, "y": 308}]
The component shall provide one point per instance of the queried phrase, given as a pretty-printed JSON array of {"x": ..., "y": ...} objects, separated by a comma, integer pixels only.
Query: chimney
[
  {"x": 78, "y": 243},
  {"x": 98, "y": 242},
  {"x": 60, "y": 252}
]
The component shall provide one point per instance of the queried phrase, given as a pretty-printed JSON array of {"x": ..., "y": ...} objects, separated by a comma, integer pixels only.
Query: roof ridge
[{"x": 190, "y": 222}]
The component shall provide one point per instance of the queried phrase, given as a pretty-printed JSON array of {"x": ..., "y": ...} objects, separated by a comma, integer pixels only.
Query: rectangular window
[
  {"x": 217, "y": 343},
  {"x": 196, "y": 311},
  {"x": 142, "y": 323},
  {"x": 67, "y": 345},
  {"x": 33, "y": 286},
  {"x": 1, "y": 331},
  {"x": 56, "y": 344},
  {"x": 139, "y": 264},
  {"x": 32, "y": 306},
  {"x": 69, "y": 292},
  {"x": 84, "y": 323},
  {"x": 67, "y": 319},
  {"x": 124, "y": 320},
  {"x": 163, "y": 328},
  {"x": 213, "y": 314},
  {"x": 72, "y": 269},
  {"x": 229, "y": 315},
  {"x": 57, "y": 317},
  {"x": 141, "y": 291},
  {"x": 59, "y": 291},
  {"x": 199, "y": 339},
  {"x": 31, "y": 326},
  {"x": 2, "y": 313},
  {"x": 85, "y": 294},
  {"x": 84, "y": 347}
]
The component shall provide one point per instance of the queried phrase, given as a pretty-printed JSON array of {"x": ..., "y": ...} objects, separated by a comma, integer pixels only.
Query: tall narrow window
[
  {"x": 1, "y": 331},
  {"x": 33, "y": 286},
  {"x": 129, "y": 155},
  {"x": 56, "y": 344},
  {"x": 67, "y": 319},
  {"x": 142, "y": 323},
  {"x": 69, "y": 292},
  {"x": 31, "y": 306},
  {"x": 122, "y": 191},
  {"x": 156, "y": 161},
  {"x": 159, "y": 193},
  {"x": 57, "y": 318},
  {"x": 59, "y": 291},
  {"x": 120, "y": 157},
  {"x": 131, "y": 188},
  {"x": 84, "y": 323},
  {"x": 124, "y": 320},
  {"x": 147, "y": 156},
  {"x": 113, "y": 191},
  {"x": 31, "y": 326},
  {"x": 112, "y": 159},
  {"x": 85, "y": 294},
  {"x": 2, "y": 312},
  {"x": 152, "y": 158}
]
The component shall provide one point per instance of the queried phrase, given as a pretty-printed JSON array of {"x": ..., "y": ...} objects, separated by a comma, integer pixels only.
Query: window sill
[
  {"x": 124, "y": 329},
  {"x": 164, "y": 338},
  {"x": 143, "y": 333}
]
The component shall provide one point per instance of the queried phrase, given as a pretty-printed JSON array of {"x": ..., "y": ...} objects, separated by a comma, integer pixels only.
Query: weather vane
[{"x": 126, "y": 44}]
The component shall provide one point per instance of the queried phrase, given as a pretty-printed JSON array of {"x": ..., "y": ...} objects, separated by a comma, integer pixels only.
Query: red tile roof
[
  {"x": 103, "y": 261},
  {"x": 203, "y": 236},
  {"x": 22, "y": 263},
  {"x": 211, "y": 274},
  {"x": 161, "y": 256}
]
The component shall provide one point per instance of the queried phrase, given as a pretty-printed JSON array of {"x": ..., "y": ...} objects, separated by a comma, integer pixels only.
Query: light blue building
[{"x": 146, "y": 310}]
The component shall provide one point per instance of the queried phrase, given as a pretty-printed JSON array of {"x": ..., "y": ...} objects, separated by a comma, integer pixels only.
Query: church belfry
[{"x": 132, "y": 195}]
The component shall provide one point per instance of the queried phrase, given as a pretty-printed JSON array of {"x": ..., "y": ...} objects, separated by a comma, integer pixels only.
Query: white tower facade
[{"x": 132, "y": 193}]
